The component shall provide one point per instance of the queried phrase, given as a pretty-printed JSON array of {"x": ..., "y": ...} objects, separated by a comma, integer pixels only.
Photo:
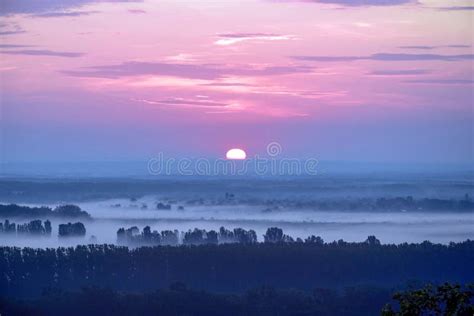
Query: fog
[
  {"x": 389, "y": 227},
  {"x": 332, "y": 208}
]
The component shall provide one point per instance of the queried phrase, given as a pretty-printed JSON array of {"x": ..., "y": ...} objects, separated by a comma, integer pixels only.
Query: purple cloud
[
  {"x": 457, "y": 8},
  {"x": 13, "y": 46},
  {"x": 234, "y": 38},
  {"x": 11, "y": 32},
  {"x": 63, "y": 14},
  {"x": 388, "y": 57},
  {"x": 43, "y": 52},
  {"x": 355, "y": 3},
  {"x": 10, "y": 28},
  {"x": 186, "y": 102},
  {"x": 418, "y": 47},
  {"x": 227, "y": 84},
  {"x": 246, "y": 35},
  {"x": 137, "y": 11},
  {"x": 434, "y": 47},
  {"x": 442, "y": 81},
  {"x": 409, "y": 72},
  {"x": 192, "y": 71},
  {"x": 10, "y": 7},
  {"x": 458, "y": 46}
]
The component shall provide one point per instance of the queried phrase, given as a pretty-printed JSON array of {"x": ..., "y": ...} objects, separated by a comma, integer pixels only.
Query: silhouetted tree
[
  {"x": 447, "y": 299},
  {"x": 68, "y": 230},
  {"x": 162, "y": 206},
  {"x": 70, "y": 210},
  {"x": 314, "y": 240},
  {"x": 211, "y": 237},
  {"x": 47, "y": 227},
  {"x": 273, "y": 235},
  {"x": 245, "y": 237},
  {"x": 169, "y": 237},
  {"x": 194, "y": 237},
  {"x": 372, "y": 241}
]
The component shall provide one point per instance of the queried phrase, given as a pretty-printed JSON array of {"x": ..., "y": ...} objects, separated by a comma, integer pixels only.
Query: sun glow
[{"x": 236, "y": 154}]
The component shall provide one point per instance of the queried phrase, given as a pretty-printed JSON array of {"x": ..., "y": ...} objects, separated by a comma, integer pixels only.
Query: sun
[{"x": 236, "y": 154}]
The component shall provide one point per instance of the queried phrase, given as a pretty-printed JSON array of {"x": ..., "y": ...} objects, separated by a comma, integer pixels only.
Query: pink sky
[{"x": 361, "y": 80}]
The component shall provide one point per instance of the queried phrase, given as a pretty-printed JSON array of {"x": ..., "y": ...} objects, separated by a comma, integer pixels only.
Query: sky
[{"x": 345, "y": 80}]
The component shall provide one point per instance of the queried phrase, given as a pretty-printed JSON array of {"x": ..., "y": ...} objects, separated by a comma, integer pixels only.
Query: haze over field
[{"x": 349, "y": 208}]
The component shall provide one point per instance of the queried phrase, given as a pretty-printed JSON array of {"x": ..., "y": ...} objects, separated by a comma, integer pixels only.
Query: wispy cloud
[
  {"x": 12, "y": 32},
  {"x": 227, "y": 84},
  {"x": 192, "y": 71},
  {"x": 234, "y": 38},
  {"x": 388, "y": 57},
  {"x": 424, "y": 47},
  {"x": 13, "y": 46},
  {"x": 42, "y": 52},
  {"x": 198, "y": 102},
  {"x": 458, "y": 46},
  {"x": 355, "y": 3},
  {"x": 457, "y": 8},
  {"x": 401, "y": 72},
  {"x": 442, "y": 81},
  {"x": 181, "y": 57},
  {"x": 63, "y": 14},
  {"x": 10, "y": 28},
  {"x": 34, "y": 7},
  {"x": 137, "y": 11}
]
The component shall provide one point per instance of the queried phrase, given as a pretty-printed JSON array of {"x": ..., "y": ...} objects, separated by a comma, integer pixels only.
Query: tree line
[
  {"x": 67, "y": 211},
  {"x": 133, "y": 236},
  {"x": 36, "y": 227},
  {"x": 388, "y": 204},
  {"x": 178, "y": 299},
  {"x": 232, "y": 267}
]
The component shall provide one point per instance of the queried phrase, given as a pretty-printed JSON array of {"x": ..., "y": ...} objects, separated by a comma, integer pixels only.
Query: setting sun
[{"x": 236, "y": 153}]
